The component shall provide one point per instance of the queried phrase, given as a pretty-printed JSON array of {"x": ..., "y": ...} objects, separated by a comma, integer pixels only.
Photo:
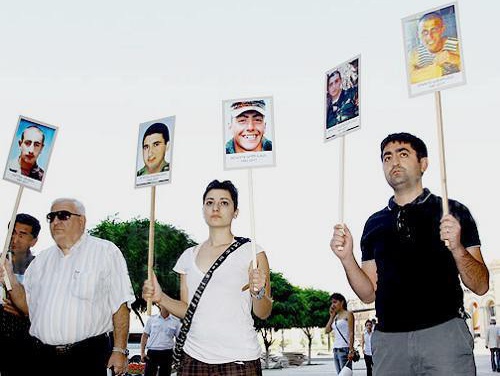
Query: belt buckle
[{"x": 63, "y": 349}]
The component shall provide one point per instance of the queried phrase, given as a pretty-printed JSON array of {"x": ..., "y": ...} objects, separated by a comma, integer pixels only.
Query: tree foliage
[
  {"x": 132, "y": 239},
  {"x": 317, "y": 313},
  {"x": 288, "y": 306}
]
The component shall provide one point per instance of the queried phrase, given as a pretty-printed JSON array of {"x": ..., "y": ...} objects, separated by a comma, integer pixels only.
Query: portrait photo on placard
[
  {"x": 30, "y": 152},
  {"x": 342, "y": 104},
  {"x": 248, "y": 133},
  {"x": 433, "y": 50},
  {"x": 154, "y": 152}
]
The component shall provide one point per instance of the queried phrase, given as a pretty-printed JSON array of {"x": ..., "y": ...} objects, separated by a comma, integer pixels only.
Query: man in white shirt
[
  {"x": 75, "y": 292},
  {"x": 158, "y": 338},
  {"x": 366, "y": 346},
  {"x": 492, "y": 344}
]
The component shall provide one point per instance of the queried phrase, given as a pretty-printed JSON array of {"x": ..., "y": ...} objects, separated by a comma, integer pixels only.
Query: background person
[
  {"x": 248, "y": 126},
  {"x": 76, "y": 292},
  {"x": 492, "y": 342},
  {"x": 342, "y": 323},
  {"x": 155, "y": 143},
  {"x": 159, "y": 339},
  {"x": 14, "y": 324},
  {"x": 366, "y": 346},
  {"x": 404, "y": 254},
  {"x": 30, "y": 145},
  {"x": 222, "y": 339}
]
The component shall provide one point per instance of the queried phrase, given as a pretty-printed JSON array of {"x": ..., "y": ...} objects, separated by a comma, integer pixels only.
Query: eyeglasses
[
  {"x": 62, "y": 215},
  {"x": 402, "y": 225}
]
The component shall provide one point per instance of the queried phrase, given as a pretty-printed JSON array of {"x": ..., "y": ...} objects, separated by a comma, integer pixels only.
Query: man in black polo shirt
[{"x": 412, "y": 257}]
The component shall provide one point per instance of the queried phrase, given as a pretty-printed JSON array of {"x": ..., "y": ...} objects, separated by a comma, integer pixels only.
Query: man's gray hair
[{"x": 80, "y": 209}]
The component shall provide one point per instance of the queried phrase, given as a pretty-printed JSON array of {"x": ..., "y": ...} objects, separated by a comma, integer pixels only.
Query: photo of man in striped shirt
[{"x": 437, "y": 55}]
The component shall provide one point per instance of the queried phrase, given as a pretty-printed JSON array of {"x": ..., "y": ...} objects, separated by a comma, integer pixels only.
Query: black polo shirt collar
[{"x": 419, "y": 200}]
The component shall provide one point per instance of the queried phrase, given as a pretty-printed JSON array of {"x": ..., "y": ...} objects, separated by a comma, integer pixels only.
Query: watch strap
[{"x": 120, "y": 350}]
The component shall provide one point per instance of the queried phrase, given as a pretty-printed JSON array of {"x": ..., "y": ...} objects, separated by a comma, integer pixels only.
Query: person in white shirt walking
[
  {"x": 75, "y": 293},
  {"x": 492, "y": 343},
  {"x": 366, "y": 345},
  {"x": 159, "y": 340}
]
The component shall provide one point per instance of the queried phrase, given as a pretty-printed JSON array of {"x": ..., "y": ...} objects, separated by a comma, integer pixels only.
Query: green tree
[
  {"x": 132, "y": 239},
  {"x": 287, "y": 306},
  {"x": 317, "y": 313}
]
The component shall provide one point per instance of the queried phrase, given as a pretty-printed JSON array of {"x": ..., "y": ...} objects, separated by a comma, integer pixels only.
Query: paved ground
[{"x": 325, "y": 367}]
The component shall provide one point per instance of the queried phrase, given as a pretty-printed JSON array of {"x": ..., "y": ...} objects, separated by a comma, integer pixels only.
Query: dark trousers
[
  {"x": 369, "y": 364},
  {"x": 161, "y": 359},
  {"x": 13, "y": 349},
  {"x": 88, "y": 357},
  {"x": 495, "y": 359}
]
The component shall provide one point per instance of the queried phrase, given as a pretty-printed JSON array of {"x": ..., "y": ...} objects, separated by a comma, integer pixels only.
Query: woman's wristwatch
[{"x": 259, "y": 294}]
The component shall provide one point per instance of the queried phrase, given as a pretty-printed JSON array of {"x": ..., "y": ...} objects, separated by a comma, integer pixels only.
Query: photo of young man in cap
[{"x": 248, "y": 126}]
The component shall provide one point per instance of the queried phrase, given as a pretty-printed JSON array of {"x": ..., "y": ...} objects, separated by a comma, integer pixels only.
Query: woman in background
[{"x": 342, "y": 323}]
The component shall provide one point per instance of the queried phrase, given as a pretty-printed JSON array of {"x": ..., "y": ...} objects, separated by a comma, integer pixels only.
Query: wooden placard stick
[
  {"x": 9, "y": 235},
  {"x": 252, "y": 225},
  {"x": 252, "y": 219},
  {"x": 151, "y": 242},
  {"x": 341, "y": 179},
  {"x": 341, "y": 182},
  {"x": 442, "y": 163}
]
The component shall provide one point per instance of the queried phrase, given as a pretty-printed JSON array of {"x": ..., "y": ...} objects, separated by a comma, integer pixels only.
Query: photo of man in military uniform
[
  {"x": 30, "y": 145},
  {"x": 248, "y": 127},
  {"x": 155, "y": 144},
  {"x": 341, "y": 102}
]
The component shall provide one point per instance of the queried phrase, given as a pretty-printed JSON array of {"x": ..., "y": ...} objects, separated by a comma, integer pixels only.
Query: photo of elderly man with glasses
[{"x": 75, "y": 293}]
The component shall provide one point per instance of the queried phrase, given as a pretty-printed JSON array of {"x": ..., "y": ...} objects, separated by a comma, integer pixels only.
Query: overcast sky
[{"x": 96, "y": 69}]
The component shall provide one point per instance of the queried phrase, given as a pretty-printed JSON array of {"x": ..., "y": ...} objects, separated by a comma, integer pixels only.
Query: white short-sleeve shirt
[
  {"x": 73, "y": 297},
  {"x": 222, "y": 329},
  {"x": 162, "y": 332}
]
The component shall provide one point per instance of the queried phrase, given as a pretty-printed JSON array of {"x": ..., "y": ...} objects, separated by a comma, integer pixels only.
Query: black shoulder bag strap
[
  {"x": 188, "y": 318},
  {"x": 338, "y": 330}
]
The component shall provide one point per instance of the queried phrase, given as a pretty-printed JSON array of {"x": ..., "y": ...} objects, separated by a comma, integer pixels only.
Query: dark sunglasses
[
  {"x": 402, "y": 225},
  {"x": 62, "y": 215}
]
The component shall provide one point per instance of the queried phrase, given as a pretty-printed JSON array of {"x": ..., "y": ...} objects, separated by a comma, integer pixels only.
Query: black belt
[{"x": 69, "y": 348}]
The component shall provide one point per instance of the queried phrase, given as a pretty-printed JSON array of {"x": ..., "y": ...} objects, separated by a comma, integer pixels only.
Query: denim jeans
[{"x": 340, "y": 357}]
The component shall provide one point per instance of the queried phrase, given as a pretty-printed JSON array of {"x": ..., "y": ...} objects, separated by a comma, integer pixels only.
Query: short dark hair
[
  {"x": 333, "y": 74},
  {"x": 29, "y": 220},
  {"x": 368, "y": 321},
  {"x": 416, "y": 143},
  {"x": 226, "y": 185},
  {"x": 340, "y": 298},
  {"x": 33, "y": 126},
  {"x": 157, "y": 128}
]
